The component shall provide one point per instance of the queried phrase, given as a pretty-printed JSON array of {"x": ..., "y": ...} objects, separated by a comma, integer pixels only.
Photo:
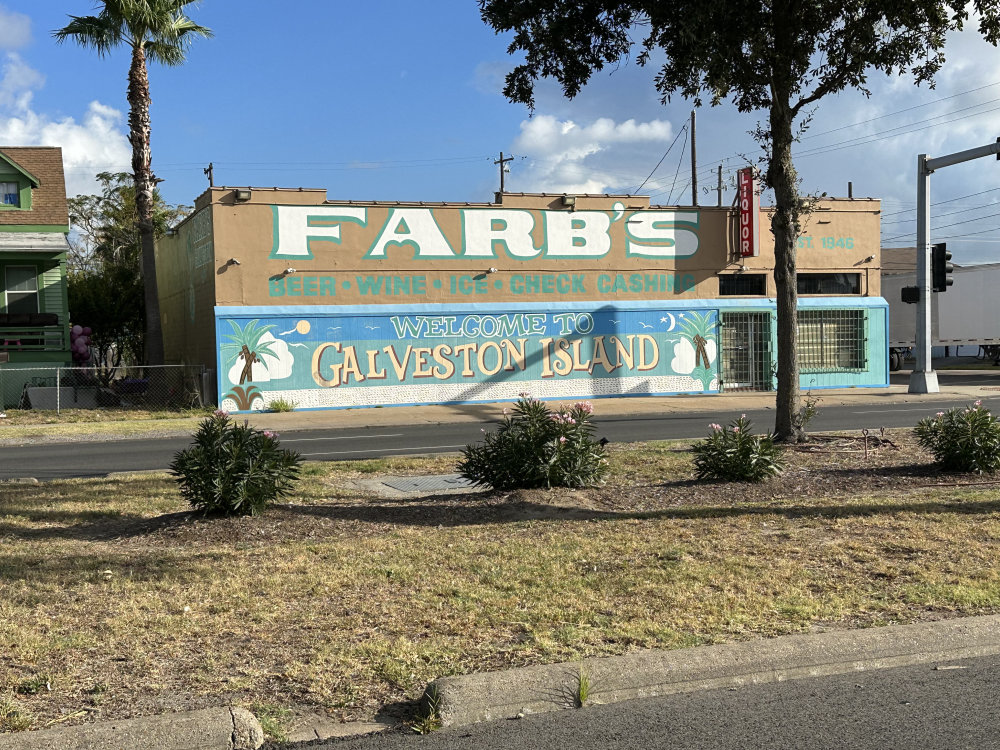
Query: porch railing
[{"x": 32, "y": 338}]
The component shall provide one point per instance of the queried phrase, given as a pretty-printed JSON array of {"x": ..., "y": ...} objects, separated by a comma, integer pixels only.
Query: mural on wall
[
  {"x": 334, "y": 359},
  {"x": 253, "y": 355}
]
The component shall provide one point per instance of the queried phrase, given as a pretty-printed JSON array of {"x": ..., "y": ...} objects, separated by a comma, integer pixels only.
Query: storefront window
[
  {"x": 831, "y": 340},
  {"x": 742, "y": 285},
  {"x": 829, "y": 283}
]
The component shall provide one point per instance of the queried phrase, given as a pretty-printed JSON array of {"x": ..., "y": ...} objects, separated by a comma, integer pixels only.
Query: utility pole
[
  {"x": 694, "y": 165},
  {"x": 501, "y": 161},
  {"x": 924, "y": 379},
  {"x": 719, "y": 188},
  {"x": 208, "y": 171}
]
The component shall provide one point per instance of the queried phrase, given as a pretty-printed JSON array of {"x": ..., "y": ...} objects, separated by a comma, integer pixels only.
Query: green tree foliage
[
  {"x": 157, "y": 31},
  {"x": 777, "y": 58},
  {"x": 104, "y": 282}
]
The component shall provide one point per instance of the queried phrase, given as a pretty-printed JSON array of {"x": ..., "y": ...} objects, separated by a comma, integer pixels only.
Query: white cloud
[
  {"x": 94, "y": 144},
  {"x": 15, "y": 29},
  {"x": 604, "y": 156}
]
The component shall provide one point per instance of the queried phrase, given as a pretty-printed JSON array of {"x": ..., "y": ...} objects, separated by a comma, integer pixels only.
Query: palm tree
[{"x": 156, "y": 30}]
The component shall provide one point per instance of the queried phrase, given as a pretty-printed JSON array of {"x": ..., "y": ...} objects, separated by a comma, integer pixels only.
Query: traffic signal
[{"x": 941, "y": 268}]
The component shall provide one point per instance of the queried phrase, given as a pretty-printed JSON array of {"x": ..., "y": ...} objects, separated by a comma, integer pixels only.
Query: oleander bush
[
  {"x": 962, "y": 439},
  {"x": 733, "y": 453},
  {"x": 537, "y": 447},
  {"x": 234, "y": 469}
]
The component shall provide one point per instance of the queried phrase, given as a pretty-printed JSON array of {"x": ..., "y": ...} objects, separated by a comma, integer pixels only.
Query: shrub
[
  {"x": 535, "y": 447},
  {"x": 962, "y": 439},
  {"x": 734, "y": 453},
  {"x": 234, "y": 469},
  {"x": 281, "y": 405}
]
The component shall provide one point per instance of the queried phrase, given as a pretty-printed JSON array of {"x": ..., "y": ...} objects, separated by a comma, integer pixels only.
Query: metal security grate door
[{"x": 746, "y": 351}]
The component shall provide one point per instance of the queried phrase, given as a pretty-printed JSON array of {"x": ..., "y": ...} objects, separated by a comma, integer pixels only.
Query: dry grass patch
[
  {"x": 21, "y": 424},
  {"x": 127, "y": 604}
]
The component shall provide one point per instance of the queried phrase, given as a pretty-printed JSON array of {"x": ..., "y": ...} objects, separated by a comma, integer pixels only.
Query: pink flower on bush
[
  {"x": 585, "y": 406},
  {"x": 715, "y": 426},
  {"x": 562, "y": 438},
  {"x": 979, "y": 403},
  {"x": 270, "y": 434},
  {"x": 220, "y": 413},
  {"x": 736, "y": 429},
  {"x": 940, "y": 414}
]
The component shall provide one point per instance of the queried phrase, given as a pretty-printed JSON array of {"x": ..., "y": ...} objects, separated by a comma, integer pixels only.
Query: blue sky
[{"x": 397, "y": 100}]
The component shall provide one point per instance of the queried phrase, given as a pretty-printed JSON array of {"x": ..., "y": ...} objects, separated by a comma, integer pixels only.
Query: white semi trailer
[{"x": 968, "y": 314}]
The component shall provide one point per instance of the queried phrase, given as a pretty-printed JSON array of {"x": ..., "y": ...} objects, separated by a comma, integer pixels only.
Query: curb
[
  {"x": 227, "y": 728},
  {"x": 468, "y": 699}
]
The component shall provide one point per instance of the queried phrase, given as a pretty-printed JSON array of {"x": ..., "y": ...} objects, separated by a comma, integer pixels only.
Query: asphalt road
[
  {"x": 88, "y": 459},
  {"x": 950, "y": 705}
]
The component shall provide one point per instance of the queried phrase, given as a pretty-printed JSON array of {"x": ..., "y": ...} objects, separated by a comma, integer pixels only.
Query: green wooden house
[{"x": 34, "y": 222}]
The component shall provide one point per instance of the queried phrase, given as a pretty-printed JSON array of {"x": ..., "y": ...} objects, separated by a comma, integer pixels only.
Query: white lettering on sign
[
  {"x": 662, "y": 234},
  {"x": 414, "y": 227},
  {"x": 749, "y": 240},
  {"x": 488, "y": 231},
  {"x": 491, "y": 233},
  {"x": 296, "y": 226},
  {"x": 580, "y": 234}
]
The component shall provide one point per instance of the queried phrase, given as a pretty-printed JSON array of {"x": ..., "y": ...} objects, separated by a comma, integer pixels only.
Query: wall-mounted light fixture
[
  {"x": 869, "y": 259},
  {"x": 233, "y": 262},
  {"x": 569, "y": 201},
  {"x": 171, "y": 232},
  {"x": 242, "y": 195},
  {"x": 491, "y": 270},
  {"x": 289, "y": 270}
]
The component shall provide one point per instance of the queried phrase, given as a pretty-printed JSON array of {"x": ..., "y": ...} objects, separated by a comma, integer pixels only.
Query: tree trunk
[
  {"x": 139, "y": 130},
  {"x": 782, "y": 178}
]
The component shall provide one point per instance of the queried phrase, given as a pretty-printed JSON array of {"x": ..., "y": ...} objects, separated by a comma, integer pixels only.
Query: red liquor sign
[{"x": 749, "y": 214}]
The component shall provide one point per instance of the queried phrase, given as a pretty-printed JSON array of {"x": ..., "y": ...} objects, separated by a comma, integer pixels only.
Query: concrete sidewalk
[{"x": 514, "y": 693}]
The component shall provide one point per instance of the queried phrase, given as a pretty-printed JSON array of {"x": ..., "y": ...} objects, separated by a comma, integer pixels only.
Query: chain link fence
[{"x": 162, "y": 387}]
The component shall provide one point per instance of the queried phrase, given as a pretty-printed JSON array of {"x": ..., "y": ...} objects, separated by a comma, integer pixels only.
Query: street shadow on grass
[{"x": 471, "y": 511}]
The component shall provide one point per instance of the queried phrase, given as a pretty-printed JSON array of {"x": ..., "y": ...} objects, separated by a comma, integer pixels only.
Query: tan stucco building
[{"x": 344, "y": 303}]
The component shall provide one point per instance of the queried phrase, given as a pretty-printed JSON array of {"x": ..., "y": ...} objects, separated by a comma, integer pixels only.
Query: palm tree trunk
[
  {"x": 782, "y": 178},
  {"x": 139, "y": 131}
]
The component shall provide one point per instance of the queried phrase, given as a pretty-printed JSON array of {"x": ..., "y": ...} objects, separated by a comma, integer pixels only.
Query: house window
[
  {"x": 832, "y": 341},
  {"x": 21, "y": 287},
  {"x": 9, "y": 194},
  {"x": 743, "y": 285},
  {"x": 829, "y": 283}
]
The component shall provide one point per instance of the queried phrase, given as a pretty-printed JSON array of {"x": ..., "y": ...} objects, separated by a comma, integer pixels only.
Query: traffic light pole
[{"x": 924, "y": 379}]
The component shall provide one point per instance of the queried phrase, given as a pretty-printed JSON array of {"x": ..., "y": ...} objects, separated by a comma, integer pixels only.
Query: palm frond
[{"x": 95, "y": 32}]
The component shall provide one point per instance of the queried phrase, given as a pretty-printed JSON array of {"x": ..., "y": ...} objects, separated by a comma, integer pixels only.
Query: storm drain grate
[{"x": 426, "y": 485}]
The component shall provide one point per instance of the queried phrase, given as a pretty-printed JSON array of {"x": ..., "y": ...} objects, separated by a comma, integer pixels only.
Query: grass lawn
[{"x": 115, "y": 601}]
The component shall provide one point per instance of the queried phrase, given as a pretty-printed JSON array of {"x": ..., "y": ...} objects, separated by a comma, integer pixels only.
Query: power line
[{"x": 679, "y": 134}]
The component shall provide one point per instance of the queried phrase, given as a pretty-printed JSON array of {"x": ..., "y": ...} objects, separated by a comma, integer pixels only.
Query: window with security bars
[{"x": 832, "y": 341}]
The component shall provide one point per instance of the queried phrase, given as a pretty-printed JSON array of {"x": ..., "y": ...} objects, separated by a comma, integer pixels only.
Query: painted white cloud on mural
[
  {"x": 601, "y": 157},
  {"x": 683, "y": 362},
  {"x": 96, "y": 143},
  {"x": 267, "y": 367}
]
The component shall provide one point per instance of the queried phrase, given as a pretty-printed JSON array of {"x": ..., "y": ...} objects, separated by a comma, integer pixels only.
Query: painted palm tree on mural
[
  {"x": 157, "y": 31},
  {"x": 249, "y": 345},
  {"x": 695, "y": 354}
]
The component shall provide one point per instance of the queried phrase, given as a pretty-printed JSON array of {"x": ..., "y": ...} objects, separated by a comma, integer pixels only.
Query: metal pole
[
  {"x": 923, "y": 379},
  {"x": 58, "y": 388},
  {"x": 720, "y": 186},
  {"x": 694, "y": 164}
]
